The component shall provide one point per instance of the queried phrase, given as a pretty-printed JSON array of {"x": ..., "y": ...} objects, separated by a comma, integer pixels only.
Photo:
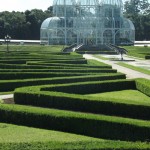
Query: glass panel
[{"x": 88, "y": 22}]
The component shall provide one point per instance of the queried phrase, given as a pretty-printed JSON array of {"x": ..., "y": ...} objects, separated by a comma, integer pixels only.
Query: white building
[{"x": 87, "y": 22}]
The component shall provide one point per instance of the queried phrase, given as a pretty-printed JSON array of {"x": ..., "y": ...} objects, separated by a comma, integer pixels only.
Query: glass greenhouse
[{"x": 87, "y": 22}]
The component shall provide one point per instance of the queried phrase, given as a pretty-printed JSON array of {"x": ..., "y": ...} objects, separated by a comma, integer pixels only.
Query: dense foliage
[
  {"x": 139, "y": 12},
  {"x": 22, "y": 25}
]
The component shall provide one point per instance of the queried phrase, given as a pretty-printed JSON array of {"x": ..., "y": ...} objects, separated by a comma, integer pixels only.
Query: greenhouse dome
[
  {"x": 87, "y": 22},
  {"x": 52, "y": 22}
]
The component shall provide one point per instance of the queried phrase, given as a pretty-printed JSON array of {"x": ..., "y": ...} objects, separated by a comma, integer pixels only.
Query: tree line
[
  {"x": 138, "y": 11},
  {"x": 26, "y": 25},
  {"x": 23, "y": 25}
]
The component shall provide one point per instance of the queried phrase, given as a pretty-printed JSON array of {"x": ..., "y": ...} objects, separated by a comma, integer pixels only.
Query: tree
[
  {"x": 139, "y": 12},
  {"x": 22, "y": 25}
]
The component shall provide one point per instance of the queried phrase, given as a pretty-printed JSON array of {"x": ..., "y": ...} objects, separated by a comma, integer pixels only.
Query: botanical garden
[{"x": 64, "y": 101}]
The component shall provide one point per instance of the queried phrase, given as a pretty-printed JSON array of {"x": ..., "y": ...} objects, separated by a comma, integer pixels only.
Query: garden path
[
  {"x": 130, "y": 74},
  {"x": 8, "y": 99}
]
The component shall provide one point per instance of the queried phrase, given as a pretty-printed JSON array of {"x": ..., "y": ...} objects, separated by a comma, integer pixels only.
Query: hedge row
[
  {"x": 13, "y": 61},
  {"x": 5, "y": 85},
  {"x": 84, "y": 145},
  {"x": 40, "y": 96},
  {"x": 14, "y": 66},
  {"x": 69, "y": 65},
  {"x": 31, "y": 75},
  {"x": 69, "y": 70},
  {"x": 99, "y": 126},
  {"x": 53, "y": 66},
  {"x": 93, "y": 87},
  {"x": 147, "y": 57},
  {"x": 80, "y": 61},
  {"x": 143, "y": 85}
]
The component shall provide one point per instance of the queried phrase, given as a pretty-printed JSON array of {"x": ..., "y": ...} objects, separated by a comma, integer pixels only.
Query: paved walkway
[
  {"x": 5, "y": 97},
  {"x": 130, "y": 74}
]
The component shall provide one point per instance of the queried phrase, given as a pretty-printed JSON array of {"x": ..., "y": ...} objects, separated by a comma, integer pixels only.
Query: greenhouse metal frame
[{"x": 89, "y": 22}]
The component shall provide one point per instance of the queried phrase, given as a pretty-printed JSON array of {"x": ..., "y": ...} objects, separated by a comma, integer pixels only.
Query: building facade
[{"x": 91, "y": 22}]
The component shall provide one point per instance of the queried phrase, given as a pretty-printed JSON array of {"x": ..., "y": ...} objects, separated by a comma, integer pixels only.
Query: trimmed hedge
[
  {"x": 5, "y": 85},
  {"x": 147, "y": 57},
  {"x": 105, "y": 145},
  {"x": 89, "y": 64},
  {"x": 54, "y": 99},
  {"x": 99, "y": 126},
  {"x": 143, "y": 85},
  {"x": 69, "y": 70},
  {"x": 93, "y": 87},
  {"x": 83, "y": 61},
  {"x": 13, "y": 61},
  {"x": 31, "y": 75}
]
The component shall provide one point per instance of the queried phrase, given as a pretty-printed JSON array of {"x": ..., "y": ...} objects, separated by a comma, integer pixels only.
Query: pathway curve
[{"x": 130, "y": 74}]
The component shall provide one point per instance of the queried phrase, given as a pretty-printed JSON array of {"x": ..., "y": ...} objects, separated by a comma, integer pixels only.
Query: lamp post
[{"x": 7, "y": 40}]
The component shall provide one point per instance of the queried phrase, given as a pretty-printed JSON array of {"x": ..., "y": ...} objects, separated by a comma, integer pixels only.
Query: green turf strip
[
  {"x": 125, "y": 95},
  {"x": 16, "y": 134},
  {"x": 25, "y": 138},
  {"x": 138, "y": 51},
  {"x": 136, "y": 68}
]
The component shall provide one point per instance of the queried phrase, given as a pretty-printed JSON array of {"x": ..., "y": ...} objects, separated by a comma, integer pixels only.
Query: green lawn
[
  {"x": 16, "y": 134},
  {"x": 31, "y": 48},
  {"x": 135, "y": 68},
  {"x": 138, "y": 51},
  {"x": 125, "y": 95},
  {"x": 25, "y": 138}
]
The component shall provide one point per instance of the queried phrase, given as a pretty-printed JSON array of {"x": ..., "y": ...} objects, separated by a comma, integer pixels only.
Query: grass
[
  {"x": 138, "y": 51},
  {"x": 6, "y": 93},
  {"x": 31, "y": 48},
  {"x": 16, "y": 134},
  {"x": 25, "y": 138},
  {"x": 125, "y": 95},
  {"x": 145, "y": 71},
  {"x": 1, "y": 101}
]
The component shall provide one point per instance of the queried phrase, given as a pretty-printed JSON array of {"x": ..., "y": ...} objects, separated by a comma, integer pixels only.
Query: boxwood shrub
[
  {"x": 5, "y": 84},
  {"x": 99, "y": 126},
  {"x": 143, "y": 85},
  {"x": 53, "y": 96},
  {"x": 147, "y": 57},
  {"x": 35, "y": 75}
]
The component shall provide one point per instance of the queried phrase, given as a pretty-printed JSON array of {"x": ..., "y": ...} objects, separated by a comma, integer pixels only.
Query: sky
[{"x": 22, "y": 5}]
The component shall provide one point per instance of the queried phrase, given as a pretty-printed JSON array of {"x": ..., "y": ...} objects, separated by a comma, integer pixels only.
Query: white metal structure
[{"x": 88, "y": 22}]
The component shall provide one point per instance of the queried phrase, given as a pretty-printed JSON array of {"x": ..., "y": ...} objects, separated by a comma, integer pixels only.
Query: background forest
[{"x": 26, "y": 25}]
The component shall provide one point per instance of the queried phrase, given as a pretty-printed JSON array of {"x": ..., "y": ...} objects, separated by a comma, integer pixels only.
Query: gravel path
[{"x": 8, "y": 99}]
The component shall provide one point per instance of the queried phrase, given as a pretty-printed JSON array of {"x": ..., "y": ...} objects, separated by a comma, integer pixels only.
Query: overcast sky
[{"x": 22, "y": 5}]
